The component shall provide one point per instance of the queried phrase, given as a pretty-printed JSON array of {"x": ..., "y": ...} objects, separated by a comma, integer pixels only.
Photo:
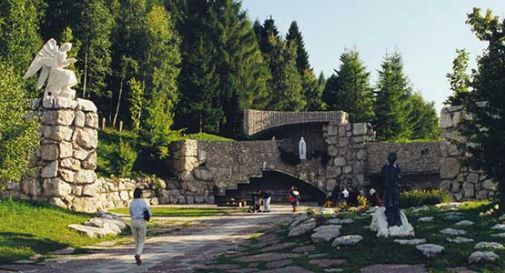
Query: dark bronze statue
[{"x": 391, "y": 175}]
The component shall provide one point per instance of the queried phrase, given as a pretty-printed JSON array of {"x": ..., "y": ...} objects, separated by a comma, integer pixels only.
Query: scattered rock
[
  {"x": 394, "y": 268},
  {"x": 289, "y": 269},
  {"x": 464, "y": 223},
  {"x": 489, "y": 245},
  {"x": 499, "y": 235},
  {"x": 266, "y": 257},
  {"x": 337, "y": 221},
  {"x": 327, "y": 262},
  {"x": 499, "y": 227},
  {"x": 93, "y": 232},
  {"x": 452, "y": 231},
  {"x": 430, "y": 250},
  {"x": 347, "y": 240},
  {"x": 460, "y": 240},
  {"x": 302, "y": 228},
  {"x": 425, "y": 219},
  {"x": 101, "y": 225},
  {"x": 298, "y": 219},
  {"x": 325, "y": 233},
  {"x": 423, "y": 208},
  {"x": 410, "y": 241},
  {"x": 304, "y": 249},
  {"x": 277, "y": 264},
  {"x": 482, "y": 256}
]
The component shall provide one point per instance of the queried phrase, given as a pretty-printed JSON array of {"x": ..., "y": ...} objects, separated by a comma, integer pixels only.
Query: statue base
[{"x": 380, "y": 225}]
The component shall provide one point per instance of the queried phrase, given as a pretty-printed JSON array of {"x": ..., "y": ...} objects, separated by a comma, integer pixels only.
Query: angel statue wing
[{"x": 45, "y": 59}]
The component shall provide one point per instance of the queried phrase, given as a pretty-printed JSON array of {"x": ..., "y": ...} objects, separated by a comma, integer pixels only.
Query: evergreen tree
[
  {"x": 136, "y": 103},
  {"x": 59, "y": 15},
  {"x": 486, "y": 102},
  {"x": 422, "y": 118},
  {"x": 160, "y": 72},
  {"x": 391, "y": 110},
  {"x": 19, "y": 28},
  {"x": 287, "y": 93},
  {"x": 302, "y": 57},
  {"x": 459, "y": 78},
  {"x": 95, "y": 30},
  {"x": 330, "y": 90},
  {"x": 18, "y": 136},
  {"x": 242, "y": 72},
  {"x": 353, "y": 93},
  {"x": 314, "y": 91}
]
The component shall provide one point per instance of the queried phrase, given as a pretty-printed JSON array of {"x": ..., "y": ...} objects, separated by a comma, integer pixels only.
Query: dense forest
[{"x": 159, "y": 65}]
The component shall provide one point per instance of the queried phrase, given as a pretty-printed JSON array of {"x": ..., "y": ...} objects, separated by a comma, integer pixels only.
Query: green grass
[
  {"x": 373, "y": 250},
  {"x": 206, "y": 137},
  {"x": 182, "y": 212},
  {"x": 27, "y": 228}
]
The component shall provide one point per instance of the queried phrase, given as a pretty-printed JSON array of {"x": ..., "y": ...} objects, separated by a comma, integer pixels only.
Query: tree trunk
[
  {"x": 118, "y": 101},
  {"x": 84, "y": 82}
]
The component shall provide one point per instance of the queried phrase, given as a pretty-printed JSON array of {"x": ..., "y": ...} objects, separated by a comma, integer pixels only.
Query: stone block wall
[
  {"x": 462, "y": 182},
  {"x": 347, "y": 148},
  {"x": 66, "y": 159}
]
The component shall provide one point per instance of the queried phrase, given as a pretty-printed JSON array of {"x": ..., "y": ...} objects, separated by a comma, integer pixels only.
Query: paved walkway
[{"x": 177, "y": 253}]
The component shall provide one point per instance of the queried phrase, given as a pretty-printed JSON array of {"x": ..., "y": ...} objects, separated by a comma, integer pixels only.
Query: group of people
[
  {"x": 351, "y": 197},
  {"x": 261, "y": 200}
]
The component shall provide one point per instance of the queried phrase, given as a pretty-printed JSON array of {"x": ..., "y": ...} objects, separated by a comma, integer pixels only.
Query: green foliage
[
  {"x": 302, "y": 57},
  {"x": 423, "y": 118},
  {"x": 29, "y": 228},
  {"x": 206, "y": 137},
  {"x": 418, "y": 198},
  {"x": 19, "y": 38},
  {"x": 136, "y": 103},
  {"x": 350, "y": 90},
  {"x": 18, "y": 133},
  {"x": 392, "y": 91},
  {"x": 486, "y": 102},
  {"x": 459, "y": 78},
  {"x": 313, "y": 90}
]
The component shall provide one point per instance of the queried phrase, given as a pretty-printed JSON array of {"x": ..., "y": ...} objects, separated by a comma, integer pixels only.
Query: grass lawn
[
  {"x": 182, "y": 212},
  {"x": 28, "y": 228},
  {"x": 373, "y": 250}
]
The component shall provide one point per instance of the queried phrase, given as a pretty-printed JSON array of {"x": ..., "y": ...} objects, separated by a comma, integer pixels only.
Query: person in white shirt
[{"x": 138, "y": 212}]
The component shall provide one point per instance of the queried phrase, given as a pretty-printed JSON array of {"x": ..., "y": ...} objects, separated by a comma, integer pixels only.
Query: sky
[{"x": 425, "y": 32}]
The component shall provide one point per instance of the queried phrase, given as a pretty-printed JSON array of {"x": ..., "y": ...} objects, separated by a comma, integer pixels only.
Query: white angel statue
[{"x": 53, "y": 60}]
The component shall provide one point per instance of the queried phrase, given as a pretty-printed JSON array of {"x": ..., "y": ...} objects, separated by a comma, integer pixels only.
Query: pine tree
[
  {"x": 18, "y": 136},
  {"x": 136, "y": 103},
  {"x": 459, "y": 78},
  {"x": 95, "y": 30},
  {"x": 59, "y": 15},
  {"x": 486, "y": 102},
  {"x": 391, "y": 109},
  {"x": 160, "y": 72},
  {"x": 352, "y": 92},
  {"x": 302, "y": 57},
  {"x": 314, "y": 91},
  {"x": 242, "y": 71},
  {"x": 422, "y": 118},
  {"x": 19, "y": 33},
  {"x": 286, "y": 85}
]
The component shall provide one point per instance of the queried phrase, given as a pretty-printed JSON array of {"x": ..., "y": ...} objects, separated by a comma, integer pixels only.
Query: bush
[
  {"x": 417, "y": 198},
  {"x": 125, "y": 158}
]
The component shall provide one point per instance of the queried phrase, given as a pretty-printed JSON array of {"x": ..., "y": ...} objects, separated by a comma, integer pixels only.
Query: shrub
[
  {"x": 125, "y": 158},
  {"x": 417, "y": 198}
]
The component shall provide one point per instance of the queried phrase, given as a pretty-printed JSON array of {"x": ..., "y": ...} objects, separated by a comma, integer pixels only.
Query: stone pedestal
[{"x": 67, "y": 155}]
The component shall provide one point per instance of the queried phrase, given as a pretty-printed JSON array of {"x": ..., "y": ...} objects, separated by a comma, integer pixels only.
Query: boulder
[
  {"x": 499, "y": 227},
  {"x": 380, "y": 225},
  {"x": 452, "y": 231},
  {"x": 337, "y": 221},
  {"x": 347, "y": 240},
  {"x": 410, "y": 241},
  {"x": 482, "y": 256},
  {"x": 464, "y": 223},
  {"x": 302, "y": 228},
  {"x": 425, "y": 219},
  {"x": 430, "y": 250},
  {"x": 325, "y": 233},
  {"x": 460, "y": 240},
  {"x": 298, "y": 219},
  {"x": 90, "y": 231},
  {"x": 489, "y": 245}
]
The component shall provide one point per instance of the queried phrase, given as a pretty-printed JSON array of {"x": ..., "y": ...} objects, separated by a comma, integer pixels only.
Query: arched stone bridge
[{"x": 256, "y": 121}]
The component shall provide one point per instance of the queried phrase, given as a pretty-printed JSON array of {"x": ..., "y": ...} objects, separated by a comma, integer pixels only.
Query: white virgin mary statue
[
  {"x": 51, "y": 61},
  {"x": 302, "y": 148}
]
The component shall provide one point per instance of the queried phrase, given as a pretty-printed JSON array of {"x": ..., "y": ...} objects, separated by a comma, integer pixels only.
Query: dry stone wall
[
  {"x": 66, "y": 159},
  {"x": 464, "y": 183}
]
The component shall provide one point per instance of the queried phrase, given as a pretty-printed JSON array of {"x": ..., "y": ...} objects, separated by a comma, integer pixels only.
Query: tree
[
  {"x": 314, "y": 91},
  {"x": 302, "y": 57},
  {"x": 95, "y": 29},
  {"x": 391, "y": 109},
  {"x": 58, "y": 15},
  {"x": 486, "y": 102},
  {"x": 459, "y": 78},
  {"x": 422, "y": 118},
  {"x": 242, "y": 72},
  {"x": 287, "y": 92},
  {"x": 160, "y": 72},
  {"x": 67, "y": 36},
  {"x": 18, "y": 135},
  {"x": 19, "y": 34},
  {"x": 136, "y": 103},
  {"x": 352, "y": 92}
]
